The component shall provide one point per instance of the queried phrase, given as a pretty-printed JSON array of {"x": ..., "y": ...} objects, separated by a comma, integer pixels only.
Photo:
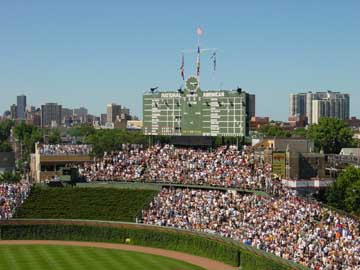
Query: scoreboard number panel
[{"x": 193, "y": 112}]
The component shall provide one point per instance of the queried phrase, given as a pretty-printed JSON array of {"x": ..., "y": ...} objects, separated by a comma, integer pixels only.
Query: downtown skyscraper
[
  {"x": 21, "y": 107},
  {"x": 316, "y": 105}
]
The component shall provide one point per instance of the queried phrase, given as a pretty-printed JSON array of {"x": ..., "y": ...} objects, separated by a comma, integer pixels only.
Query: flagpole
[
  {"x": 198, "y": 65},
  {"x": 198, "y": 56},
  {"x": 198, "y": 51},
  {"x": 182, "y": 67}
]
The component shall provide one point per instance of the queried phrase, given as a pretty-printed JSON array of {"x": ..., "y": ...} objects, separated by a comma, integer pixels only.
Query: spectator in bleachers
[
  {"x": 225, "y": 166},
  {"x": 286, "y": 226},
  {"x": 11, "y": 196},
  {"x": 64, "y": 149}
]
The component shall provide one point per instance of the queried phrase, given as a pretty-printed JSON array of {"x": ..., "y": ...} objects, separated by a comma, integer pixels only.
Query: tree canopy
[
  {"x": 5, "y": 132},
  {"x": 274, "y": 130},
  {"x": 345, "y": 191},
  {"x": 5, "y": 147},
  {"x": 54, "y": 136},
  {"x": 27, "y": 135},
  {"x": 112, "y": 139},
  {"x": 330, "y": 135},
  {"x": 5, "y": 129},
  {"x": 82, "y": 131},
  {"x": 10, "y": 177}
]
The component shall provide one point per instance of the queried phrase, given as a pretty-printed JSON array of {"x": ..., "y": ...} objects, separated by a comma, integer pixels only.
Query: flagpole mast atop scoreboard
[
  {"x": 198, "y": 51},
  {"x": 199, "y": 33}
]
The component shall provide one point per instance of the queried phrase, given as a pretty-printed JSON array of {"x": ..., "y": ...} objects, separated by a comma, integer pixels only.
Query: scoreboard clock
[{"x": 192, "y": 84}]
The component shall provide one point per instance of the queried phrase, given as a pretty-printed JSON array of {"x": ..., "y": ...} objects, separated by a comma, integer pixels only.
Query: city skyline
[
  {"x": 84, "y": 106},
  {"x": 313, "y": 106},
  {"x": 94, "y": 54}
]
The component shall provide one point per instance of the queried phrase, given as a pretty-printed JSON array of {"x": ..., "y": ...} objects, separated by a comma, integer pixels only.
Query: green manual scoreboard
[{"x": 191, "y": 112}]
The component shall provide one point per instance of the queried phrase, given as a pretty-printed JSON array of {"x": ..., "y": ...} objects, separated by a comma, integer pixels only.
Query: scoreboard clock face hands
[{"x": 192, "y": 84}]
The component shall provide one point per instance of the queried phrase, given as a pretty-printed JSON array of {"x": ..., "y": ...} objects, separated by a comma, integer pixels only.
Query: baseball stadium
[
  {"x": 166, "y": 207},
  {"x": 179, "y": 201},
  {"x": 158, "y": 206},
  {"x": 181, "y": 205}
]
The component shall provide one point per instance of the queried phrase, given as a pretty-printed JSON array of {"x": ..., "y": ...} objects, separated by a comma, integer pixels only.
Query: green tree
[
  {"x": 23, "y": 130},
  {"x": 27, "y": 135},
  {"x": 5, "y": 147},
  {"x": 337, "y": 192},
  {"x": 302, "y": 132},
  {"x": 331, "y": 135},
  {"x": 274, "y": 130},
  {"x": 10, "y": 177},
  {"x": 344, "y": 193},
  {"x": 54, "y": 136},
  {"x": 352, "y": 200},
  {"x": 82, "y": 131},
  {"x": 5, "y": 129},
  {"x": 108, "y": 140},
  {"x": 74, "y": 132}
]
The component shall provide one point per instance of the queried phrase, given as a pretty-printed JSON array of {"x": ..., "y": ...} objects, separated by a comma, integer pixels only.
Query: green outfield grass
[{"x": 39, "y": 257}]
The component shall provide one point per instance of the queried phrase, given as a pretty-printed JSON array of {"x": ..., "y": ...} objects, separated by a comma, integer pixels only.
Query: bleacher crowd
[
  {"x": 224, "y": 167},
  {"x": 64, "y": 149},
  {"x": 12, "y": 196},
  {"x": 286, "y": 226}
]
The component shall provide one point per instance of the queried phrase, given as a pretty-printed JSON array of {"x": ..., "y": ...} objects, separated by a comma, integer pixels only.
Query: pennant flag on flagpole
[
  {"x": 213, "y": 57},
  {"x": 198, "y": 62},
  {"x": 199, "y": 33},
  {"x": 182, "y": 67}
]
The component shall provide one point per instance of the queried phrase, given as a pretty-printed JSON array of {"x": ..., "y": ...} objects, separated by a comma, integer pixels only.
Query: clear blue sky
[{"x": 90, "y": 53}]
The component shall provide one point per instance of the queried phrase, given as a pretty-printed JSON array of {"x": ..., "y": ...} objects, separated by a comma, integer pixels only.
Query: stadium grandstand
[
  {"x": 49, "y": 162},
  {"x": 211, "y": 192}
]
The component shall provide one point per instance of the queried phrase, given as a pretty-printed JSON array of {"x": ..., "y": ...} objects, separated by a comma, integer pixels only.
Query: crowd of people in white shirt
[
  {"x": 64, "y": 149},
  {"x": 12, "y": 196},
  {"x": 287, "y": 226},
  {"x": 225, "y": 167}
]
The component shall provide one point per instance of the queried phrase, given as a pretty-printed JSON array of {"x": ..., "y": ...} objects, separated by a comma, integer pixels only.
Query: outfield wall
[{"x": 201, "y": 244}]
